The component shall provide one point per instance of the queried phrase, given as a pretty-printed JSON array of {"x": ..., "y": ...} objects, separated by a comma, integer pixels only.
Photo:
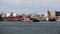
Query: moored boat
[{"x": 26, "y": 19}]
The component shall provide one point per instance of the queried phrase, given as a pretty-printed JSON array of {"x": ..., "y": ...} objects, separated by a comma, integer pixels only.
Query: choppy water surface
[{"x": 17, "y": 27}]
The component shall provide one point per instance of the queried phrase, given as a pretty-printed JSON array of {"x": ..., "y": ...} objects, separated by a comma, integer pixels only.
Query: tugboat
[
  {"x": 34, "y": 19},
  {"x": 50, "y": 19}
]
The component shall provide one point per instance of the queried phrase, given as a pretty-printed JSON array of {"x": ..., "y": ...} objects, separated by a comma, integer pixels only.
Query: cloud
[
  {"x": 54, "y": 3},
  {"x": 32, "y": 4},
  {"x": 10, "y": 1},
  {"x": 38, "y": 2},
  {"x": 35, "y": 2}
]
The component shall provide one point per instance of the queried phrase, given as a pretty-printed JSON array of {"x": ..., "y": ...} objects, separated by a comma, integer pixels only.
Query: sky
[{"x": 29, "y": 6}]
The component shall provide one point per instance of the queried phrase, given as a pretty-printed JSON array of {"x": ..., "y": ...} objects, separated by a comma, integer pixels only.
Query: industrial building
[
  {"x": 53, "y": 15},
  {"x": 58, "y": 15}
]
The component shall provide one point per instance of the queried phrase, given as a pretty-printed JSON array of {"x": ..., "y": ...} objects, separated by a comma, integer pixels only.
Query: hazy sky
[{"x": 28, "y": 6}]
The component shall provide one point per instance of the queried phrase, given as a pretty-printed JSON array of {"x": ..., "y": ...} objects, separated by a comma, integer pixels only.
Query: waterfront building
[
  {"x": 54, "y": 15},
  {"x": 58, "y": 15}
]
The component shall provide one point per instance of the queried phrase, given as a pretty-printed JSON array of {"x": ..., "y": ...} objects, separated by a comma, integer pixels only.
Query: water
[{"x": 17, "y": 27}]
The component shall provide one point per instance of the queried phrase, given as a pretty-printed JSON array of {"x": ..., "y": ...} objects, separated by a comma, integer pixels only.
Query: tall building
[
  {"x": 58, "y": 15},
  {"x": 53, "y": 14}
]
